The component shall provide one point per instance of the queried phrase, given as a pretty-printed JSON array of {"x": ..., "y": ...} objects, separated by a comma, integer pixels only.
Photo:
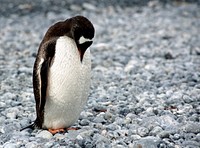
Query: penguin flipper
[{"x": 40, "y": 78}]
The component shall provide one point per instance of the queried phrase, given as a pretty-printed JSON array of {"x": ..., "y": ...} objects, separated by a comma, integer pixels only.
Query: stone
[
  {"x": 142, "y": 131},
  {"x": 191, "y": 127},
  {"x": 147, "y": 142},
  {"x": 44, "y": 134}
]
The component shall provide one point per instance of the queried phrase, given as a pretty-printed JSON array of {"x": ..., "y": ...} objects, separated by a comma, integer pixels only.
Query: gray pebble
[
  {"x": 142, "y": 131},
  {"x": 176, "y": 136},
  {"x": 191, "y": 144},
  {"x": 44, "y": 134},
  {"x": 135, "y": 137},
  {"x": 58, "y": 136},
  {"x": 86, "y": 133},
  {"x": 147, "y": 142},
  {"x": 191, "y": 127},
  {"x": 89, "y": 7},
  {"x": 156, "y": 130},
  {"x": 164, "y": 134},
  {"x": 9, "y": 145},
  {"x": 101, "y": 141},
  {"x": 84, "y": 122},
  {"x": 99, "y": 119},
  {"x": 32, "y": 144}
]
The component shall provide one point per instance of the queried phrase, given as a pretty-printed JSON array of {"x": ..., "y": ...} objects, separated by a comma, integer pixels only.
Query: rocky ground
[{"x": 145, "y": 74}]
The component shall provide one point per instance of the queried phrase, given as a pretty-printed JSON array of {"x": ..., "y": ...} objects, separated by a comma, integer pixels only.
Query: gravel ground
[{"x": 145, "y": 75}]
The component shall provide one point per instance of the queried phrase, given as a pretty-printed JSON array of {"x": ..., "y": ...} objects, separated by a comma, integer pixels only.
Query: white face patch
[{"x": 83, "y": 40}]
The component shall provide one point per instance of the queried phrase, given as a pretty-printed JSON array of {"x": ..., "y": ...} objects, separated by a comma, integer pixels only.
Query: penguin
[{"x": 61, "y": 74}]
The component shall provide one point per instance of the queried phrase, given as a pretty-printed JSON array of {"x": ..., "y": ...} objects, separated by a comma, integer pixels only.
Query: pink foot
[{"x": 54, "y": 131}]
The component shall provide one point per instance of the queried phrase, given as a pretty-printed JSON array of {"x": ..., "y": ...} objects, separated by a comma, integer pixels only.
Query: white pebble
[{"x": 44, "y": 134}]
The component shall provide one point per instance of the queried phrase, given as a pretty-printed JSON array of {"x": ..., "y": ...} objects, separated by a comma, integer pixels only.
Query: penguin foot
[
  {"x": 54, "y": 131},
  {"x": 62, "y": 130}
]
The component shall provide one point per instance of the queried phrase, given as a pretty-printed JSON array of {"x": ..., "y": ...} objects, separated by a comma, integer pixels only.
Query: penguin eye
[{"x": 82, "y": 40}]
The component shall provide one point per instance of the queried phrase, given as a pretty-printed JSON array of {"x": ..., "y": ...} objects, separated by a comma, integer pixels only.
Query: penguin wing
[{"x": 40, "y": 77}]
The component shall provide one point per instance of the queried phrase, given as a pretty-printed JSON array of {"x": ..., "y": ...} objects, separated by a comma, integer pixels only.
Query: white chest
[{"x": 68, "y": 85}]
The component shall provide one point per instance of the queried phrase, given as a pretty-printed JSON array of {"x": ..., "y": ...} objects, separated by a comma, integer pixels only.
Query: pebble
[
  {"x": 59, "y": 136},
  {"x": 191, "y": 127},
  {"x": 142, "y": 131},
  {"x": 176, "y": 136},
  {"x": 84, "y": 122},
  {"x": 147, "y": 142},
  {"x": 191, "y": 143},
  {"x": 135, "y": 137},
  {"x": 12, "y": 115},
  {"x": 156, "y": 130},
  {"x": 31, "y": 144},
  {"x": 89, "y": 7},
  {"x": 9, "y": 145},
  {"x": 44, "y": 134},
  {"x": 101, "y": 141},
  {"x": 164, "y": 134},
  {"x": 99, "y": 119},
  {"x": 86, "y": 133}
]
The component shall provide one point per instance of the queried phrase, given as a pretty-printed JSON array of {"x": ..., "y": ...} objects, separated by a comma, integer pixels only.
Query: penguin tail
[{"x": 32, "y": 126}]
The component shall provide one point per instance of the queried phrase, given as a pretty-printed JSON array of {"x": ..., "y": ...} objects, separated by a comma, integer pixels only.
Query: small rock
[
  {"x": 187, "y": 99},
  {"x": 127, "y": 120},
  {"x": 75, "y": 7},
  {"x": 197, "y": 50},
  {"x": 59, "y": 136},
  {"x": 156, "y": 130},
  {"x": 31, "y": 144},
  {"x": 198, "y": 137},
  {"x": 87, "y": 133},
  {"x": 2, "y": 104},
  {"x": 100, "y": 108},
  {"x": 9, "y": 145},
  {"x": 168, "y": 56},
  {"x": 44, "y": 134},
  {"x": 12, "y": 115},
  {"x": 142, "y": 131},
  {"x": 191, "y": 143},
  {"x": 89, "y": 6},
  {"x": 84, "y": 122},
  {"x": 79, "y": 137},
  {"x": 99, "y": 119},
  {"x": 85, "y": 115},
  {"x": 108, "y": 116},
  {"x": 113, "y": 127},
  {"x": 189, "y": 136},
  {"x": 72, "y": 134},
  {"x": 135, "y": 137},
  {"x": 164, "y": 134},
  {"x": 176, "y": 136},
  {"x": 100, "y": 141},
  {"x": 192, "y": 127},
  {"x": 147, "y": 142}
]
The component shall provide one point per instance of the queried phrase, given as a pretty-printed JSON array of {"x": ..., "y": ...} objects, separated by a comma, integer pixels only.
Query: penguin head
[
  {"x": 82, "y": 32},
  {"x": 79, "y": 28}
]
